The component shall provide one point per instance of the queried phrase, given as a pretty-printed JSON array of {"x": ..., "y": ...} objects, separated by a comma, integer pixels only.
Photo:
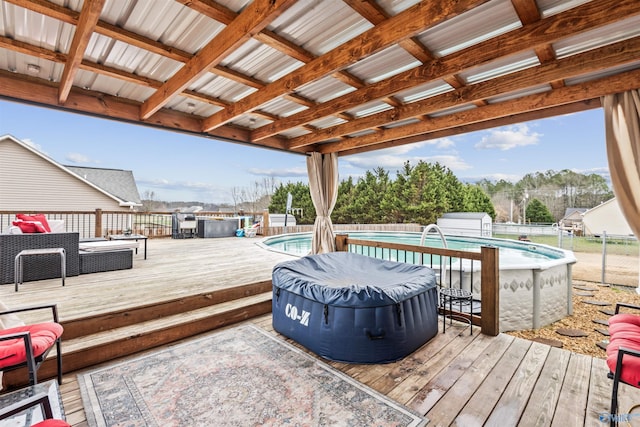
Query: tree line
[
  {"x": 422, "y": 193},
  {"x": 418, "y": 194}
]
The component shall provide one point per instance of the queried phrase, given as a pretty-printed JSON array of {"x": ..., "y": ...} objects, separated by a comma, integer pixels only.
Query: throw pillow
[
  {"x": 30, "y": 226},
  {"x": 37, "y": 217}
]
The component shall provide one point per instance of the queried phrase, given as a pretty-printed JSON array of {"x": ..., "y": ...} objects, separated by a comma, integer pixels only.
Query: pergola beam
[{"x": 402, "y": 26}]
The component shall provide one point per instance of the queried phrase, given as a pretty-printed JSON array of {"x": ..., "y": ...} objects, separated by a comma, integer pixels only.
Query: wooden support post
[
  {"x": 490, "y": 292},
  {"x": 341, "y": 243},
  {"x": 98, "y": 230},
  {"x": 265, "y": 222}
]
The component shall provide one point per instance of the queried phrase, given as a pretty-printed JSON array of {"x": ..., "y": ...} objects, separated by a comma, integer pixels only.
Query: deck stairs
[{"x": 104, "y": 337}]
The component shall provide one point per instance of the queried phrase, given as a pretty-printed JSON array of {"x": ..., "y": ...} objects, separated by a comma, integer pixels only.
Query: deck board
[{"x": 454, "y": 379}]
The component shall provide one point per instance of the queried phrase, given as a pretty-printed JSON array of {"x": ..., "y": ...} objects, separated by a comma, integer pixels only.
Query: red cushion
[
  {"x": 43, "y": 336},
  {"x": 624, "y": 334},
  {"x": 29, "y": 226},
  {"x": 632, "y": 319},
  {"x": 52, "y": 423},
  {"x": 37, "y": 217}
]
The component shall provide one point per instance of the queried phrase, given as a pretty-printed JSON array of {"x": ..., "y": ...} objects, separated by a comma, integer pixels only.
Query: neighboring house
[
  {"x": 466, "y": 224},
  {"x": 572, "y": 220},
  {"x": 606, "y": 217},
  {"x": 30, "y": 181}
]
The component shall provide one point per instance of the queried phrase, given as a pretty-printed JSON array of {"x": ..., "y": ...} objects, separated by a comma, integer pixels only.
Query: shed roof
[
  {"x": 342, "y": 76},
  {"x": 466, "y": 215}
]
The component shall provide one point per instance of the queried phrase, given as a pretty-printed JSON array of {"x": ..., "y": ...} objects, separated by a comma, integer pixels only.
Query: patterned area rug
[{"x": 237, "y": 377}]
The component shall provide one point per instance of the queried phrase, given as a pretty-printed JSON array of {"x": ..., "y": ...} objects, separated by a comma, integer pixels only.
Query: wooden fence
[{"x": 489, "y": 271}]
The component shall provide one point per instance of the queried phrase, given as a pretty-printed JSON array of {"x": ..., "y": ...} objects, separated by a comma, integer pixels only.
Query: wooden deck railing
[
  {"x": 433, "y": 257},
  {"x": 99, "y": 223}
]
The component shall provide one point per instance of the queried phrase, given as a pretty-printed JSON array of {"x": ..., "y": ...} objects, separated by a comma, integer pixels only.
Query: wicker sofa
[{"x": 41, "y": 267}]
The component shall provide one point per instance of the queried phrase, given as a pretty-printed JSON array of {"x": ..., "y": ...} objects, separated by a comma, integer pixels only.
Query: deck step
[{"x": 108, "y": 344}]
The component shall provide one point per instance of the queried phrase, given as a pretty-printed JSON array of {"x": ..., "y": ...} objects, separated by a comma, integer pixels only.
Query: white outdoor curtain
[
  {"x": 323, "y": 185},
  {"x": 622, "y": 122}
]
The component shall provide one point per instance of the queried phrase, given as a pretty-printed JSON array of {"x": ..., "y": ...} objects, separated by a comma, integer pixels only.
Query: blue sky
[{"x": 179, "y": 167}]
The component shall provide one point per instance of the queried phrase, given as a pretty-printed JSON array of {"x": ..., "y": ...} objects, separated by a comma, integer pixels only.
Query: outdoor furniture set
[{"x": 28, "y": 256}]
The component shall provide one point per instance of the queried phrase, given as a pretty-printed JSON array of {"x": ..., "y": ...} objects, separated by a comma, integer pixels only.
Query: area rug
[{"x": 241, "y": 376}]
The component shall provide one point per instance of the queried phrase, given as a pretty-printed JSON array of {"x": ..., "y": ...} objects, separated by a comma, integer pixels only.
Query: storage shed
[
  {"x": 466, "y": 224},
  {"x": 608, "y": 217}
]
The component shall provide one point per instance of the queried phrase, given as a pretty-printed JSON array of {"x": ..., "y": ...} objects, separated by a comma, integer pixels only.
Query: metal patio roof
[{"x": 342, "y": 76}]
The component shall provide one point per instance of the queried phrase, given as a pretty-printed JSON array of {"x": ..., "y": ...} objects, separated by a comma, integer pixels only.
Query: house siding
[{"x": 29, "y": 182}]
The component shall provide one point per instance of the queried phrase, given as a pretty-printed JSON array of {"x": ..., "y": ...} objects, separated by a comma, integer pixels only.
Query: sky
[{"x": 179, "y": 167}]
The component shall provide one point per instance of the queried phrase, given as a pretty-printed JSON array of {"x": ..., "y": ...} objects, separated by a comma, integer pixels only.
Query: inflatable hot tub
[{"x": 353, "y": 308}]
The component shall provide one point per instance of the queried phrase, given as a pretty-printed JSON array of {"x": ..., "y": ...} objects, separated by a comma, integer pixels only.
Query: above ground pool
[{"x": 535, "y": 280}]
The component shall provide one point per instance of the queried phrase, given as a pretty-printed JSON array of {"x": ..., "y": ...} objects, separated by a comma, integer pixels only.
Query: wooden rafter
[
  {"x": 540, "y": 33},
  {"x": 588, "y": 62},
  {"x": 86, "y": 24},
  {"x": 254, "y": 18},
  {"x": 565, "y": 95},
  {"x": 402, "y": 26}
]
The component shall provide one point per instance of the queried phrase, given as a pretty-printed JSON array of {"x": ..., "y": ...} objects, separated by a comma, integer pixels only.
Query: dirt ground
[{"x": 622, "y": 272}]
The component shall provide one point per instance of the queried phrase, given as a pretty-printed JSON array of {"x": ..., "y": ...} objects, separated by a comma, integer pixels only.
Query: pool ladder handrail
[{"x": 443, "y": 263}]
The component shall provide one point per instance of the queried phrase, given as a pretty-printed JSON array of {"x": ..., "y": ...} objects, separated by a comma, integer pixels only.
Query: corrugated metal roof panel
[
  {"x": 599, "y": 37},
  {"x": 282, "y": 107},
  {"x": 384, "y": 64},
  {"x": 221, "y": 87},
  {"x": 401, "y": 123},
  {"x": 426, "y": 90},
  {"x": 369, "y": 108},
  {"x": 479, "y": 24},
  {"x": 16, "y": 62},
  {"x": 17, "y": 23},
  {"x": 320, "y": 25},
  {"x": 602, "y": 73},
  {"x": 324, "y": 89},
  {"x": 327, "y": 122},
  {"x": 453, "y": 110},
  {"x": 500, "y": 67},
  {"x": 519, "y": 94},
  {"x": 250, "y": 121},
  {"x": 295, "y": 132},
  {"x": 111, "y": 86},
  {"x": 393, "y": 7},
  {"x": 361, "y": 133},
  {"x": 261, "y": 61},
  {"x": 192, "y": 106},
  {"x": 552, "y": 7}
]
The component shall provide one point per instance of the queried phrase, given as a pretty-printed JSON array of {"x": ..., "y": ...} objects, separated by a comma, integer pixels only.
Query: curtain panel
[
  {"x": 622, "y": 124},
  {"x": 323, "y": 185}
]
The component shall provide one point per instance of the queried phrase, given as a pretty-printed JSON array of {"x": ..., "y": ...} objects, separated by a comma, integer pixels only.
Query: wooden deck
[{"x": 455, "y": 379}]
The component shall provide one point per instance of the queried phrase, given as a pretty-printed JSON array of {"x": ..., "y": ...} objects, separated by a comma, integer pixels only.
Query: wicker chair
[{"x": 41, "y": 267}]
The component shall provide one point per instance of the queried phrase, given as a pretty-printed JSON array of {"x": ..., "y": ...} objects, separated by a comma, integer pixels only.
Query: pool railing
[{"x": 488, "y": 320}]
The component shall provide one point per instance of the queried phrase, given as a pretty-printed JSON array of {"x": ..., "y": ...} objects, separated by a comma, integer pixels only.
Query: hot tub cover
[{"x": 345, "y": 279}]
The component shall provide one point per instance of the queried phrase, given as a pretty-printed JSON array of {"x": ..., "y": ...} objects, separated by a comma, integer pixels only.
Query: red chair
[
  {"x": 29, "y": 345},
  {"x": 623, "y": 354}
]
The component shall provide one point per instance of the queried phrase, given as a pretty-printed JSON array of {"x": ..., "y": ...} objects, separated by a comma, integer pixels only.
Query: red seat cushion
[
  {"x": 37, "y": 217},
  {"x": 43, "y": 336},
  {"x": 624, "y": 331},
  {"x": 52, "y": 423}
]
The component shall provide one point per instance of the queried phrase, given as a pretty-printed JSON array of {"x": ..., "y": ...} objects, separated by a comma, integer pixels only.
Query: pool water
[{"x": 513, "y": 253}]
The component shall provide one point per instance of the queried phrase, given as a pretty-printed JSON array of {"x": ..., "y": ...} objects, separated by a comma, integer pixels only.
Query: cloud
[
  {"x": 78, "y": 158},
  {"x": 509, "y": 137},
  {"x": 394, "y": 162},
  {"x": 33, "y": 145}
]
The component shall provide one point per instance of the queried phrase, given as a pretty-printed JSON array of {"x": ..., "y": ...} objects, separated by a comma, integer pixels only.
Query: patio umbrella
[
  {"x": 323, "y": 185},
  {"x": 622, "y": 122}
]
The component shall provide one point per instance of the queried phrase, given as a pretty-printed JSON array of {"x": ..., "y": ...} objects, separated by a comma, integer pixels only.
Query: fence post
[
  {"x": 98, "y": 230},
  {"x": 604, "y": 256},
  {"x": 490, "y": 291},
  {"x": 341, "y": 243}
]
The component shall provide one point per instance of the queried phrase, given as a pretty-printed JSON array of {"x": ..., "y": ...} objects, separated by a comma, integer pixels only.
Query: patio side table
[
  {"x": 19, "y": 262},
  {"x": 11, "y": 404},
  {"x": 135, "y": 237}
]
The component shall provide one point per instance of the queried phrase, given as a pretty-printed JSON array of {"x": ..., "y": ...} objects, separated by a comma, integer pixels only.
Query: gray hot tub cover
[{"x": 344, "y": 279}]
